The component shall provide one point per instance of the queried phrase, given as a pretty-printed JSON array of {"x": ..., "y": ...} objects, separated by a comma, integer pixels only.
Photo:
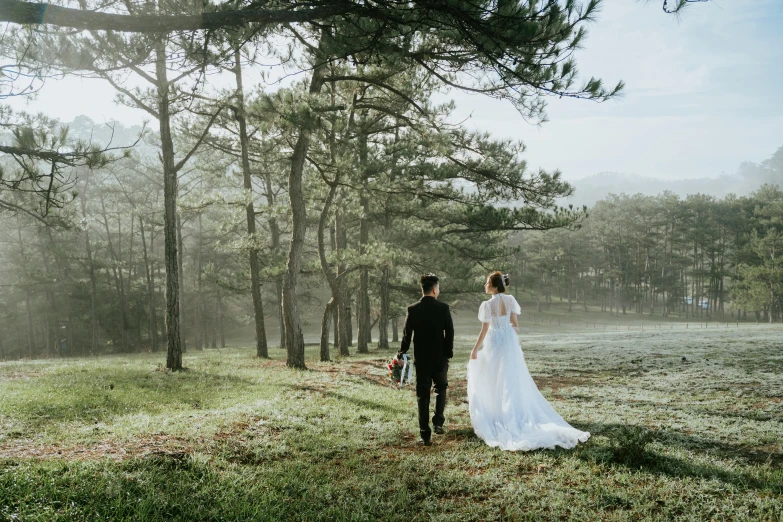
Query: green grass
[{"x": 237, "y": 438}]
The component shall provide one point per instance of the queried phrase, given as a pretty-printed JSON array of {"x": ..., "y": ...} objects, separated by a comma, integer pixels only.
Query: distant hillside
[
  {"x": 594, "y": 188},
  {"x": 748, "y": 178}
]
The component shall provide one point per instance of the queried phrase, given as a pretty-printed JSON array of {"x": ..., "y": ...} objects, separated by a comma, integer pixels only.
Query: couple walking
[{"x": 506, "y": 408}]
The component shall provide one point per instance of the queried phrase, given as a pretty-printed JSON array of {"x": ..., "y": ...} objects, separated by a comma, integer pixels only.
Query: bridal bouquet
[{"x": 399, "y": 370}]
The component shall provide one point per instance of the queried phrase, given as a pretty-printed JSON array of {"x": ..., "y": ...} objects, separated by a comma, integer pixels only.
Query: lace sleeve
[
  {"x": 513, "y": 306},
  {"x": 484, "y": 313}
]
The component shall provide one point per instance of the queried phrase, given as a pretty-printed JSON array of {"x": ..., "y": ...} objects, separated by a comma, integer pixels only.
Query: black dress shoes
[{"x": 439, "y": 430}]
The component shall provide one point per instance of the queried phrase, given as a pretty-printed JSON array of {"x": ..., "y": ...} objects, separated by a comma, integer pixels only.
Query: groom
[{"x": 429, "y": 324}]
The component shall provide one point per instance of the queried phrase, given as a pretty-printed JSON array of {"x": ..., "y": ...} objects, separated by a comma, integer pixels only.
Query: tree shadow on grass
[
  {"x": 745, "y": 415},
  {"x": 654, "y": 463},
  {"x": 363, "y": 403},
  {"x": 360, "y": 369},
  {"x": 750, "y": 454},
  {"x": 697, "y": 444},
  {"x": 94, "y": 396}
]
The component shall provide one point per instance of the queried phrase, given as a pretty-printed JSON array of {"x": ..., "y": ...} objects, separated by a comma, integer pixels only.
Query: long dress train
[{"x": 506, "y": 408}]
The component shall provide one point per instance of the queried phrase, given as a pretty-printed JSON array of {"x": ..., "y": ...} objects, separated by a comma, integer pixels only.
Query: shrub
[{"x": 629, "y": 445}]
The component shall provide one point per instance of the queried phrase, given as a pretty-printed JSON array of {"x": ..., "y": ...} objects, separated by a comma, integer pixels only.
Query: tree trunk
[
  {"x": 152, "y": 322},
  {"x": 30, "y": 334},
  {"x": 358, "y": 306},
  {"x": 174, "y": 347},
  {"x": 181, "y": 282},
  {"x": 294, "y": 339},
  {"x": 331, "y": 278},
  {"x": 214, "y": 333},
  {"x": 156, "y": 290},
  {"x": 395, "y": 332},
  {"x": 652, "y": 302},
  {"x": 130, "y": 279},
  {"x": 383, "y": 319},
  {"x": 334, "y": 277},
  {"x": 197, "y": 306},
  {"x": 91, "y": 266},
  {"x": 584, "y": 299},
  {"x": 348, "y": 320},
  {"x": 118, "y": 278},
  {"x": 363, "y": 299},
  {"x": 364, "y": 334},
  {"x": 617, "y": 299},
  {"x": 204, "y": 325},
  {"x": 52, "y": 337},
  {"x": 385, "y": 290},
  {"x": 291, "y": 322},
  {"x": 771, "y": 304},
  {"x": 327, "y": 319},
  {"x": 343, "y": 303},
  {"x": 274, "y": 233},
  {"x": 335, "y": 324},
  {"x": 611, "y": 292},
  {"x": 693, "y": 297},
  {"x": 255, "y": 280},
  {"x": 538, "y": 293},
  {"x": 279, "y": 293},
  {"x": 18, "y": 338},
  {"x": 137, "y": 313},
  {"x": 221, "y": 330}
]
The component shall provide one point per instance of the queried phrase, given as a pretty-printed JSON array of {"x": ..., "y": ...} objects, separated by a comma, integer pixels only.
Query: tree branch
[
  {"x": 130, "y": 95},
  {"x": 20, "y": 12},
  {"x": 184, "y": 160}
]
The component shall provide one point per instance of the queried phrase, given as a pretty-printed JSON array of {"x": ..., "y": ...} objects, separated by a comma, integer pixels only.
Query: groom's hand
[{"x": 399, "y": 356}]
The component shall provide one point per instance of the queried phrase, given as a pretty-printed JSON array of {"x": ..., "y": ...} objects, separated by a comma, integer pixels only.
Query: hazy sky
[{"x": 703, "y": 94}]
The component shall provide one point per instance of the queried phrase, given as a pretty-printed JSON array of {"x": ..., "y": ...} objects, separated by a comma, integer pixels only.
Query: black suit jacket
[{"x": 429, "y": 325}]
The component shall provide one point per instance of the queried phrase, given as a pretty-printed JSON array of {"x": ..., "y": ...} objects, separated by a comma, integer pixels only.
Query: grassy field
[{"x": 686, "y": 424}]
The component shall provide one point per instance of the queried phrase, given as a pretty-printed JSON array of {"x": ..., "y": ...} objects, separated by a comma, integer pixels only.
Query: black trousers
[{"x": 425, "y": 378}]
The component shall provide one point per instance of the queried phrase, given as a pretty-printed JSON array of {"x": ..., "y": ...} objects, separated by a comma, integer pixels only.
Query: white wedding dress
[{"x": 506, "y": 408}]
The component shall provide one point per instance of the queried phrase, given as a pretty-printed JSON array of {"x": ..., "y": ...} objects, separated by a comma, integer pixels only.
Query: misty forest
[
  {"x": 199, "y": 313},
  {"x": 94, "y": 282}
]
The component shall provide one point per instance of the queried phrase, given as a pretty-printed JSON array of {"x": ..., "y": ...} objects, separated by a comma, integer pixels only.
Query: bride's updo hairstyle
[{"x": 499, "y": 281}]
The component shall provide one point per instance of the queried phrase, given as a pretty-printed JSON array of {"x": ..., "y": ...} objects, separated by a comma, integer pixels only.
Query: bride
[{"x": 506, "y": 408}]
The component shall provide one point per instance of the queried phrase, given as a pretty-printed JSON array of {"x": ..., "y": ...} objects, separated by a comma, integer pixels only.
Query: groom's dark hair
[{"x": 428, "y": 282}]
